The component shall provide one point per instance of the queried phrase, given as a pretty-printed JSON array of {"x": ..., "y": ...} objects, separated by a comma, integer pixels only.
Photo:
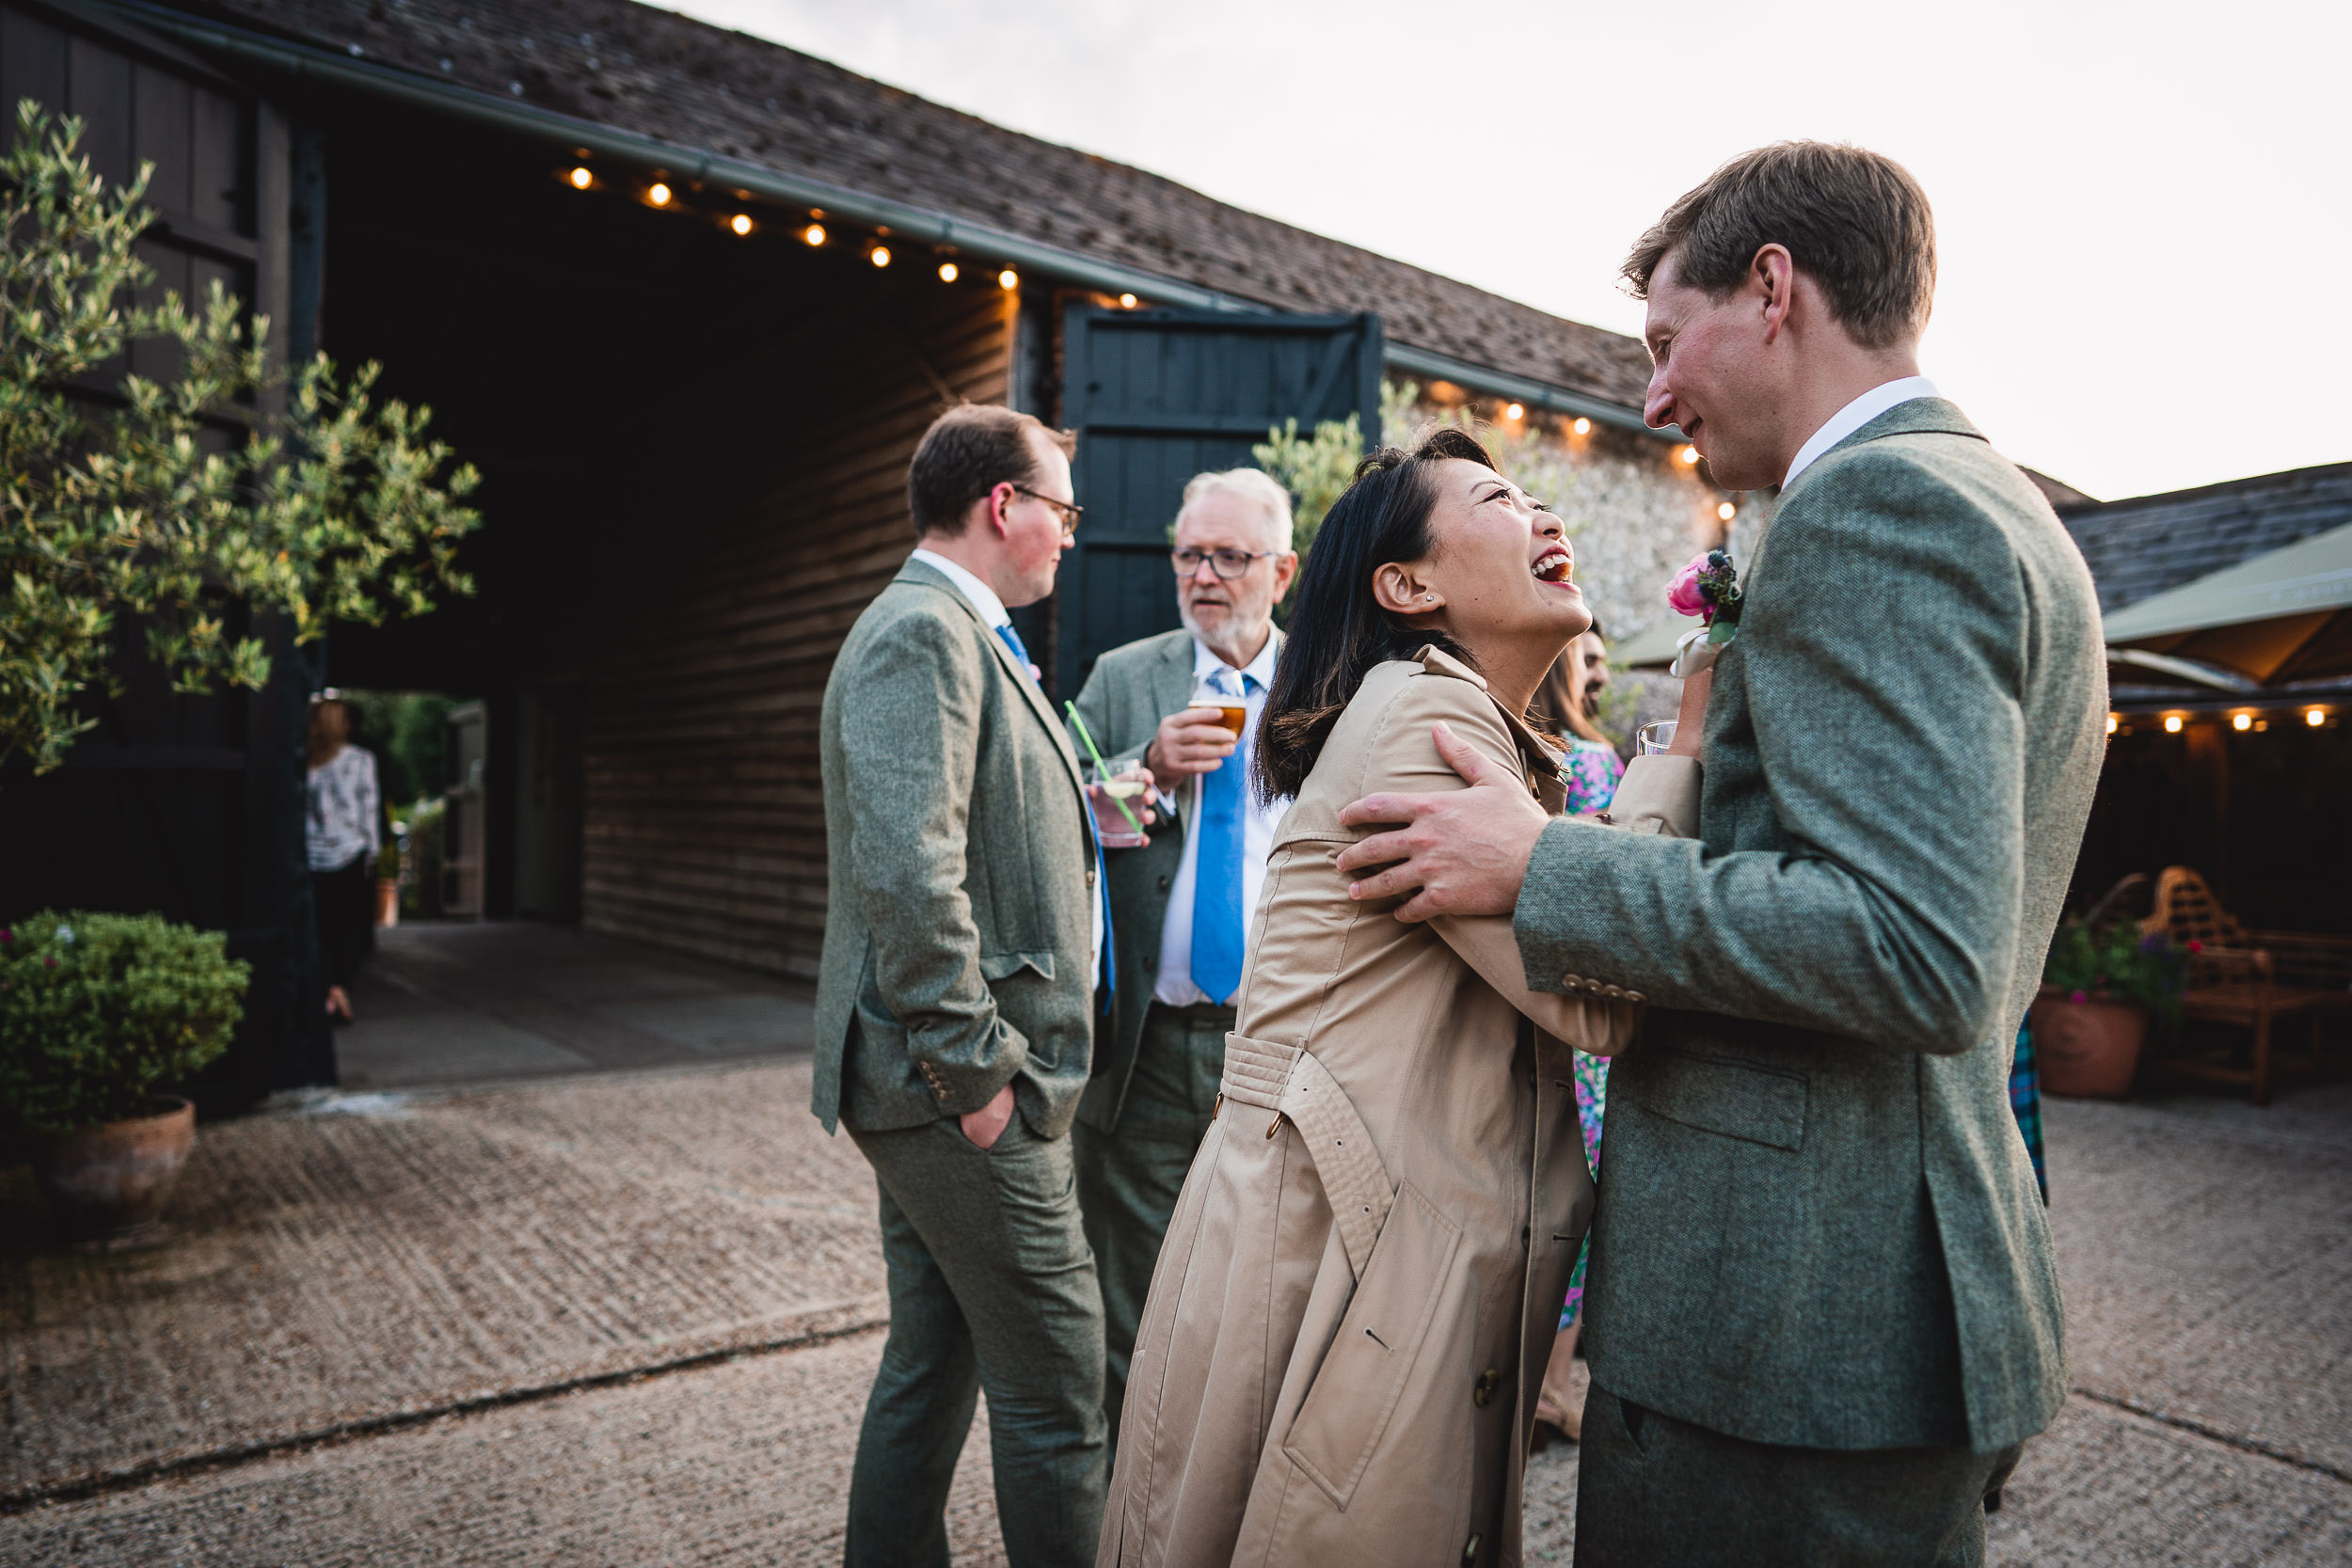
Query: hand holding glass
[{"x": 1120, "y": 781}]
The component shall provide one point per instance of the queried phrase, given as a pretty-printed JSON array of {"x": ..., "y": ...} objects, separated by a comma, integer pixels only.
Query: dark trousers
[
  {"x": 343, "y": 903},
  {"x": 1129, "y": 1178},
  {"x": 1654, "y": 1492},
  {"x": 991, "y": 1287}
]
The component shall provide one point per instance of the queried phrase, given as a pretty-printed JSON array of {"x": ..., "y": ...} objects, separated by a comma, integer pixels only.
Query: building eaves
[
  {"x": 683, "y": 82},
  {"x": 2149, "y": 543}
]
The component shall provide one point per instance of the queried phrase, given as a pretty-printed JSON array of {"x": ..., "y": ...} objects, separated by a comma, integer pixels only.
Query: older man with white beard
[{"x": 1181, "y": 904}]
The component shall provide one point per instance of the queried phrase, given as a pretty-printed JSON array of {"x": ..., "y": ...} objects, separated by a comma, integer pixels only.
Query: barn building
[{"x": 686, "y": 298}]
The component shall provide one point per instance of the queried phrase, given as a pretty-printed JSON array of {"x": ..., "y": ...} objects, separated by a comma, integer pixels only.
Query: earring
[{"x": 1429, "y": 595}]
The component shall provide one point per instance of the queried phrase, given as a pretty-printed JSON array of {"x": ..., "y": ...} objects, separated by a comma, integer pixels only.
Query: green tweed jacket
[
  {"x": 1818, "y": 1225},
  {"x": 1130, "y": 691},
  {"x": 959, "y": 924}
]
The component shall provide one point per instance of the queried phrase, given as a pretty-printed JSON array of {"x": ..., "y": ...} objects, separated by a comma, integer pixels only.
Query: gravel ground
[{"x": 630, "y": 1319}]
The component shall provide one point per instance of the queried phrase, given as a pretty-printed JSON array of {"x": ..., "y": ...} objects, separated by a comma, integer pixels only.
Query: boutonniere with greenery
[{"x": 1708, "y": 588}]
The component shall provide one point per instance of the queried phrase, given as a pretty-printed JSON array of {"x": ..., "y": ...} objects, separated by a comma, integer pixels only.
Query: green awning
[{"x": 2278, "y": 617}]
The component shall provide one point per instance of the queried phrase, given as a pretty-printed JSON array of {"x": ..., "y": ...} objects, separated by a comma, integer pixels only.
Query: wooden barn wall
[{"x": 704, "y": 815}]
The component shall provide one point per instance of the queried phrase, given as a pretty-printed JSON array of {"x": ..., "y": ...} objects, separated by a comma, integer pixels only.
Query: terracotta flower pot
[
  {"x": 108, "y": 1184},
  {"x": 2089, "y": 1047},
  {"x": 388, "y": 900}
]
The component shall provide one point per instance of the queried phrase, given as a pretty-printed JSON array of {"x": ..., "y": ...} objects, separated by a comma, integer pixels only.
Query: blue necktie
[
  {"x": 1020, "y": 650},
  {"x": 1217, "y": 917}
]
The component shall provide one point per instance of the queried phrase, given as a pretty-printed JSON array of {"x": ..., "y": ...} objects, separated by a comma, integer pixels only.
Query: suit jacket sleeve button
[{"x": 1484, "y": 1389}]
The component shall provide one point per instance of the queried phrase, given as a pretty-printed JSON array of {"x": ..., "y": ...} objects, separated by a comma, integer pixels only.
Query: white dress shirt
[
  {"x": 1868, "y": 407},
  {"x": 1258, "y": 820},
  {"x": 994, "y": 614}
]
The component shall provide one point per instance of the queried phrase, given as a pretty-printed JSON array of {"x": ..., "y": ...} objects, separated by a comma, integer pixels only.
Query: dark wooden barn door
[{"x": 1158, "y": 396}]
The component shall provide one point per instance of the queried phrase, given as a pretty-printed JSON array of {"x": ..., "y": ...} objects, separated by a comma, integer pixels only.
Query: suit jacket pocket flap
[
  {"x": 1004, "y": 966},
  {"x": 1719, "y": 1096},
  {"x": 1348, "y": 1406}
]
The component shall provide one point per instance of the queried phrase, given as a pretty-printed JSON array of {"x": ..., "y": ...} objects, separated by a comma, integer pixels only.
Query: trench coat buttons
[
  {"x": 1484, "y": 1389},
  {"x": 1163, "y": 884}
]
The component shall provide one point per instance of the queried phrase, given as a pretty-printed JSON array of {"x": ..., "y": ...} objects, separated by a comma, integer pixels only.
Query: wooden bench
[{"x": 2248, "y": 979}]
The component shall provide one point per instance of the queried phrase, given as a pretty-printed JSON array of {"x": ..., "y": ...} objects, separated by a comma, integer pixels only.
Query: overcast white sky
[{"x": 2144, "y": 210}]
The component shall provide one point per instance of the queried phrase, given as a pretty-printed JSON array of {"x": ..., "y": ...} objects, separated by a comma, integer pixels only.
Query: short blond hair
[{"x": 1249, "y": 484}]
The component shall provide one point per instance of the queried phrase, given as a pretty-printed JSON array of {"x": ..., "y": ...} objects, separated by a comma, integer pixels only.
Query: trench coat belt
[{"x": 1292, "y": 1081}]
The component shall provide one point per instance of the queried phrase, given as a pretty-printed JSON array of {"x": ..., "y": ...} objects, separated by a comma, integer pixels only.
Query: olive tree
[{"x": 172, "y": 505}]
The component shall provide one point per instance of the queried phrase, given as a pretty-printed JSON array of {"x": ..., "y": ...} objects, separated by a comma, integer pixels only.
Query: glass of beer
[
  {"x": 1115, "y": 783},
  {"x": 1657, "y": 736},
  {"x": 1232, "y": 708}
]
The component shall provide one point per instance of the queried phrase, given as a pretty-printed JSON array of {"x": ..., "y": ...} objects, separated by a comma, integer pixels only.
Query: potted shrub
[
  {"x": 2099, "y": 989},
  {"x": 387, "y": 883},
  {"x": 97, "y": 1012}
]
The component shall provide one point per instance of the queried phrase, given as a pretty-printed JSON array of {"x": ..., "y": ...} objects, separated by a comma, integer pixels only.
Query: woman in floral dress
[{"x": 1592, "y": 769}]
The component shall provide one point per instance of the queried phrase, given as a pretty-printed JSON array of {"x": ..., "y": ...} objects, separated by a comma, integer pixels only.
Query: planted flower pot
[
  {"x": 2087, "y": 1043},
  {"x": 108, "y": 1184},
  {"x": 99, "y": 1012}
]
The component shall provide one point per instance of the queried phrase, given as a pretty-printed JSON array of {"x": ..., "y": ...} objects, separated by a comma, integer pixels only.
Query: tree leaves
[{"x": 175, "y": 502}]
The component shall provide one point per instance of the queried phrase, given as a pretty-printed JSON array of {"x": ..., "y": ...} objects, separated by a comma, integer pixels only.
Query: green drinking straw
[{"x": 1092, "y": 751}]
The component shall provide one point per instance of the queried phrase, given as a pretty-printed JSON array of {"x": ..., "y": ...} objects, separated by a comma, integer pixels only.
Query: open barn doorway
[{"x": 692, "y": 434}]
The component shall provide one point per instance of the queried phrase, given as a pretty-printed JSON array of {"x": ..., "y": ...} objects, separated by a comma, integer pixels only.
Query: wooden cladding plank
[{"x": 704, "y": 819}]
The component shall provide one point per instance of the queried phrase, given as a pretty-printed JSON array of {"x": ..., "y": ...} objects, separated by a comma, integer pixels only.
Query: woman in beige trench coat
[{"x": 1338, "y": 1359}]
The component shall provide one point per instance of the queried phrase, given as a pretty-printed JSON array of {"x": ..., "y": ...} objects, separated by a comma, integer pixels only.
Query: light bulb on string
[
  {"x": 1008, "y": 281},
  {"x": 2242, "y": 721},
  {"x": 948, "y": 272},
  {"x": 1726, "y": 511},
  {"x": 581, "y": 178},
  {"x": 2112, "y": 722},
  {"x": 658, "y": 194},
  {"x": 880, "y": 256},
  {"x": 2171, "y": 724},
  {"x": 814, "y": 233},
  {"x": 1515, "y": 411},
  {"x": 1689, "y": 456},
  {"x": 1126, "y": 302},
  {"x": 741, "y": 223},
  {"x": 2315, "y": 717},
  {"x": 1582, "y": 426}
]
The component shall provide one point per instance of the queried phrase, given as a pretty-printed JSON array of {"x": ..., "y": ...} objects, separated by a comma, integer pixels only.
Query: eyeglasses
[
  {"x": 1071, "y": 512},
  {"x": 1228, "y": 564}
]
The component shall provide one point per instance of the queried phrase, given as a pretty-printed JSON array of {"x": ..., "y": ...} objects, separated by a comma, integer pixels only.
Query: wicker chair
[{"x": 2248, "y": 979}]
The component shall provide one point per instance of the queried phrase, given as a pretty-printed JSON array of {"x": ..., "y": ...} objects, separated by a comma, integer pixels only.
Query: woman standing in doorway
[{"x": 341, "y": 827}]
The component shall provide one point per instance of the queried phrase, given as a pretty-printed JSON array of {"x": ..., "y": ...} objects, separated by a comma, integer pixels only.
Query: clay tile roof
[
  {"x": 657, "y": 73},
  {"x": 2148, "y": 544}
]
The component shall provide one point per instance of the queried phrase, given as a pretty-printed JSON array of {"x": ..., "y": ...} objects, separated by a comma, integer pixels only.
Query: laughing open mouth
[{"x": 1554, "y": 566}]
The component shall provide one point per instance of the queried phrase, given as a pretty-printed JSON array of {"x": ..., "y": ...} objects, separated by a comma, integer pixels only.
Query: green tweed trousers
[
  {"x": 1655, "y": 1492},
  {"x": 1129, "y": 1179},
  {"x": 991, "y": 1287}
]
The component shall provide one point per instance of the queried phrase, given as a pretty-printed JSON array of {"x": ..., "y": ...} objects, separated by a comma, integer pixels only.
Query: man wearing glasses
[
  {"x": 1182, "y": 903},
  {"x": 956, "y": 1002}
]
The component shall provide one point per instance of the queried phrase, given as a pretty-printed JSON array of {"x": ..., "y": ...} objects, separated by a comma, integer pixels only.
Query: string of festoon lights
[
  {"x": 2317, "y": 716},
  {"x": 815, "y": 228}
]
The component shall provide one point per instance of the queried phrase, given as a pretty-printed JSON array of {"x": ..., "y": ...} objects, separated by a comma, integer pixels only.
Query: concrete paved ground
[
  {"x": 630, "y": 1318},
  {"x": 445, "y": 1002}
]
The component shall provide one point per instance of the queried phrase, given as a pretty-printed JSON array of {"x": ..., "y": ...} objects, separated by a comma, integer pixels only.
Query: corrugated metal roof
[
  {"x": 657, "y": 73},
  {"x": 2140, "y": 547}
]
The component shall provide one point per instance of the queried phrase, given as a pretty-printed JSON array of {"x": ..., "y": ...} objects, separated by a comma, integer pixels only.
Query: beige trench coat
[{"x": 1340, "y": 1356}]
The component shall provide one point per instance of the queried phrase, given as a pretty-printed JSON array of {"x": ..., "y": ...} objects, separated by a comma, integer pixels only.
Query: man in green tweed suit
[
  {"x": 1181, "y": 904},
  {"x": 955, "y": 1005},
  {"x": 1823, "y": 1314}
]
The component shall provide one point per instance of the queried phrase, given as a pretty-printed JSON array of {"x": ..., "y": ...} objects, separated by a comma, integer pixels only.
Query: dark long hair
[{"x": 1337, "y": 630}]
